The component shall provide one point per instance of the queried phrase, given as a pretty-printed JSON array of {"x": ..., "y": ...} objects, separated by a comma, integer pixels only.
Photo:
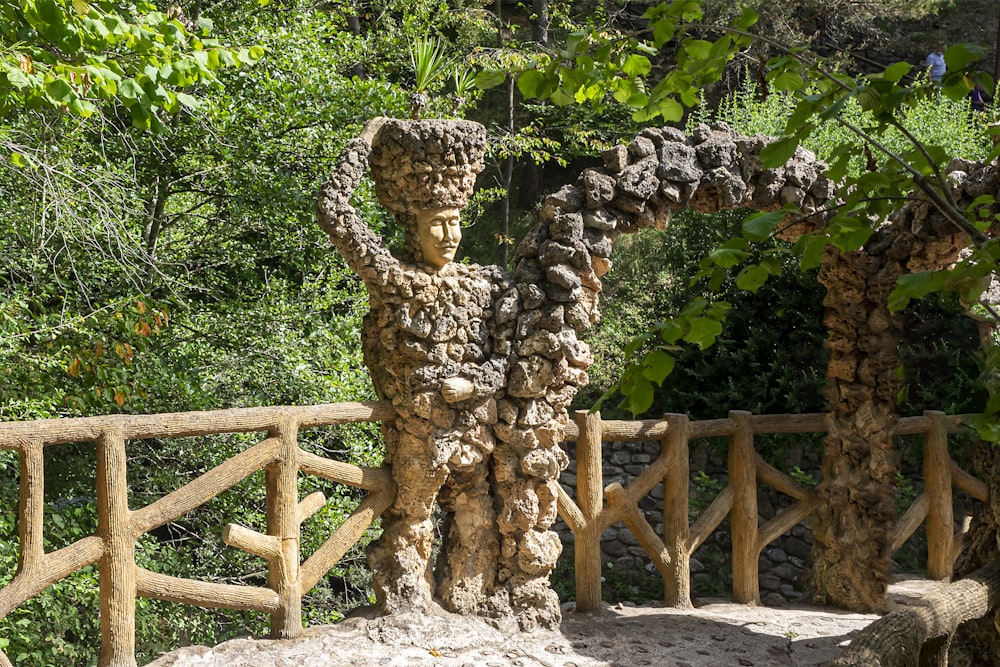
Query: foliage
[
  {"x": 72, "y": 55},
  {"x": 429, "y": 63},
  {"x": 581, "y": 74},
  {"x": 233, "y": 298}
]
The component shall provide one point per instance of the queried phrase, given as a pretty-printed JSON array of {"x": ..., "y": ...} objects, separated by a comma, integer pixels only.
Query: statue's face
[{"x": 440, "y": 232}]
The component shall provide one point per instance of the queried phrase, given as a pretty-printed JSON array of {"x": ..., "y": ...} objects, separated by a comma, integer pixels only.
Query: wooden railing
[
  {"x": 119, "y": 527},
  {"x": 588, "y": 517}
]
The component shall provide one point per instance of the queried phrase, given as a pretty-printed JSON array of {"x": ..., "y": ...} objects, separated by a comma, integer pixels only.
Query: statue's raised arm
[{"x": 365, "y": 252}]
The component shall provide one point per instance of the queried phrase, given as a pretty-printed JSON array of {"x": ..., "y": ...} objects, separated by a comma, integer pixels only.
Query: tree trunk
[
  {"x": 996, "y": 61},
  {"x": 354, "y": 25},
  {"x": 540, "y": 26},
  {"x": 154, "y": 213},
  {"x": 977, "y": 642},
  {"x": 853, "y": 524}
]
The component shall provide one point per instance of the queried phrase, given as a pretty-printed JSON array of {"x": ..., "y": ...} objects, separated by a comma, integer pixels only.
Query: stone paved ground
[{"x": 715, "y": 634}]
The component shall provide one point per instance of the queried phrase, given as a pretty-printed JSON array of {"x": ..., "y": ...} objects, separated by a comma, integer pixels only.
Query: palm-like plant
[
  {"x": 429, "y": 63},
  {"x": 464, "y": 81}
]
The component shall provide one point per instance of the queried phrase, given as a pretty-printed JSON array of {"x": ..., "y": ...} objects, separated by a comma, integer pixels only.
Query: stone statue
[
  {"x": 434, "y": 345},
  {"x": 482, "y": 366}
]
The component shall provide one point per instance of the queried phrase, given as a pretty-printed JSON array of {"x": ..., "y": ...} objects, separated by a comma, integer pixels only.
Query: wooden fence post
[
  {"x": 282, "y": 481},
  {"x": 676, "y": 530},
  {"x": 31, "y": 510},
  {"x": 118, "y": 573},
  {"x": 590, "y": 496},
  {"x": 937, "y": 486},
  {"x": 743, "y": 517}
]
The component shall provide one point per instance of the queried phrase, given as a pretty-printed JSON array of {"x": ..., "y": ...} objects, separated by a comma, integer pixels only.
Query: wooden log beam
[
  {"x": 940, "y": 524},
  {"x": 281, "y": 480},
  {"x": 969, "y": 484},
  {"x": 710, "y": 519},
  {"x": 743, "y": 519},
  {"x": 625, "y": 431},
  {"x": 55, "y": 566},
  {"x": 31, "y": 508},
  {"x": 779, "y": 480},
  {"x": 636, "y": 522},
  {"x": 330, "y": 553},
  {"x": 118, "y": 572},
  {"x": 187, "y": 424},
  {"x": 784, "y": 520},
  {"x": 910, "y": 521},
  {"x": 640, "y": 487},
  {"x": 205, "y": 487},
  {"x": 589, "y": 487},
  {"x": 899, "y": 639},
  {"x": 676, "y": 531},
  {"x": 369, "y": 479},
  {"x": 263, "y": 546},
  {"x": 569, "y": 511},
  {"x": 205, "y": 593},
  {"x": 309, "y": 505}
]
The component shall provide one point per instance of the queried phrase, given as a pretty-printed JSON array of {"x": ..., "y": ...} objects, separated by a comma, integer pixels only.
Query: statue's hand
[
  {"x": 456, "y": 389},
  {"x": 372, "y": 127}
]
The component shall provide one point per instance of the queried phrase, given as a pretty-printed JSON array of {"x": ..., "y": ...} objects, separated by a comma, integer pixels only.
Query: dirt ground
[{"x": 715, "y": 633}]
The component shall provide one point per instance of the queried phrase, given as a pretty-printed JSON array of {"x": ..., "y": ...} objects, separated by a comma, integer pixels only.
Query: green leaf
[
  {"x": 669, "y": 108},
  {"x": 640, "y": 398},
  {"x": 130, "y": 90},
  {"x": 788, "y": 80},
  {"x": 703, "y": 332},
  {"x": 657, "y": 365},
  {"x": 848, "y": 232},
  {"x": 60, "y": 91},
  {"x": 636, "y": 65},
  {"x": 759, "y": 226},
  {"x": 916, "y": 286},
  {"x": 490, "y": 78},
  {"x": 777, "y": 153},
  {"x": 960, "y": 56},
  {"x": 663, "y": 31},
  {"x": 695, "y": 308},
  {"x": 727, "y": 257},
  {"x": 530, "y": 82},
  {"x": 697, "y": 49},
  {"x": 189, "y": 101},
  {"x": 747, "y": 19},
  {"x": 671, "y": 332},
  {"x": 752, "y": 277},
  {"x": 811, "y": 249},
  {"x": 897, "y": 71}
]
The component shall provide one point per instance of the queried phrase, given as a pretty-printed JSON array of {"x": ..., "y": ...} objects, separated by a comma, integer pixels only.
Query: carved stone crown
[{"x": 423, "y": 164}]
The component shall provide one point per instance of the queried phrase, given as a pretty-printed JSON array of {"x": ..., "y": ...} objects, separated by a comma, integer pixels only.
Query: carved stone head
[{"x": 424, "y": 173}]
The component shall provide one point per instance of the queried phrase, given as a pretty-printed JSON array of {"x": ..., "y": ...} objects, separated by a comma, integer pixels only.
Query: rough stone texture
[
  {"x": 715, "y": 634},
  {"x": 515, "y": 339},
  {"x": 853, "y": 524}
]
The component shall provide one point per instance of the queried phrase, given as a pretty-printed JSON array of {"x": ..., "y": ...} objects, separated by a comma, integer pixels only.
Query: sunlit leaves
[
  {"x": 778, "y": 152},
  {"x": 759, "y": 226},
  {"x": 73, "y": 55}
]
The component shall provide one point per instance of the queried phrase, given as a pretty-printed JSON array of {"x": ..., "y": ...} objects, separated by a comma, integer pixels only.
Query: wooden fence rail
[
  {"x": 289, "y": 579},
  {"x": 671, "y": 553},
  {"x": 119, "y": 527}
]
